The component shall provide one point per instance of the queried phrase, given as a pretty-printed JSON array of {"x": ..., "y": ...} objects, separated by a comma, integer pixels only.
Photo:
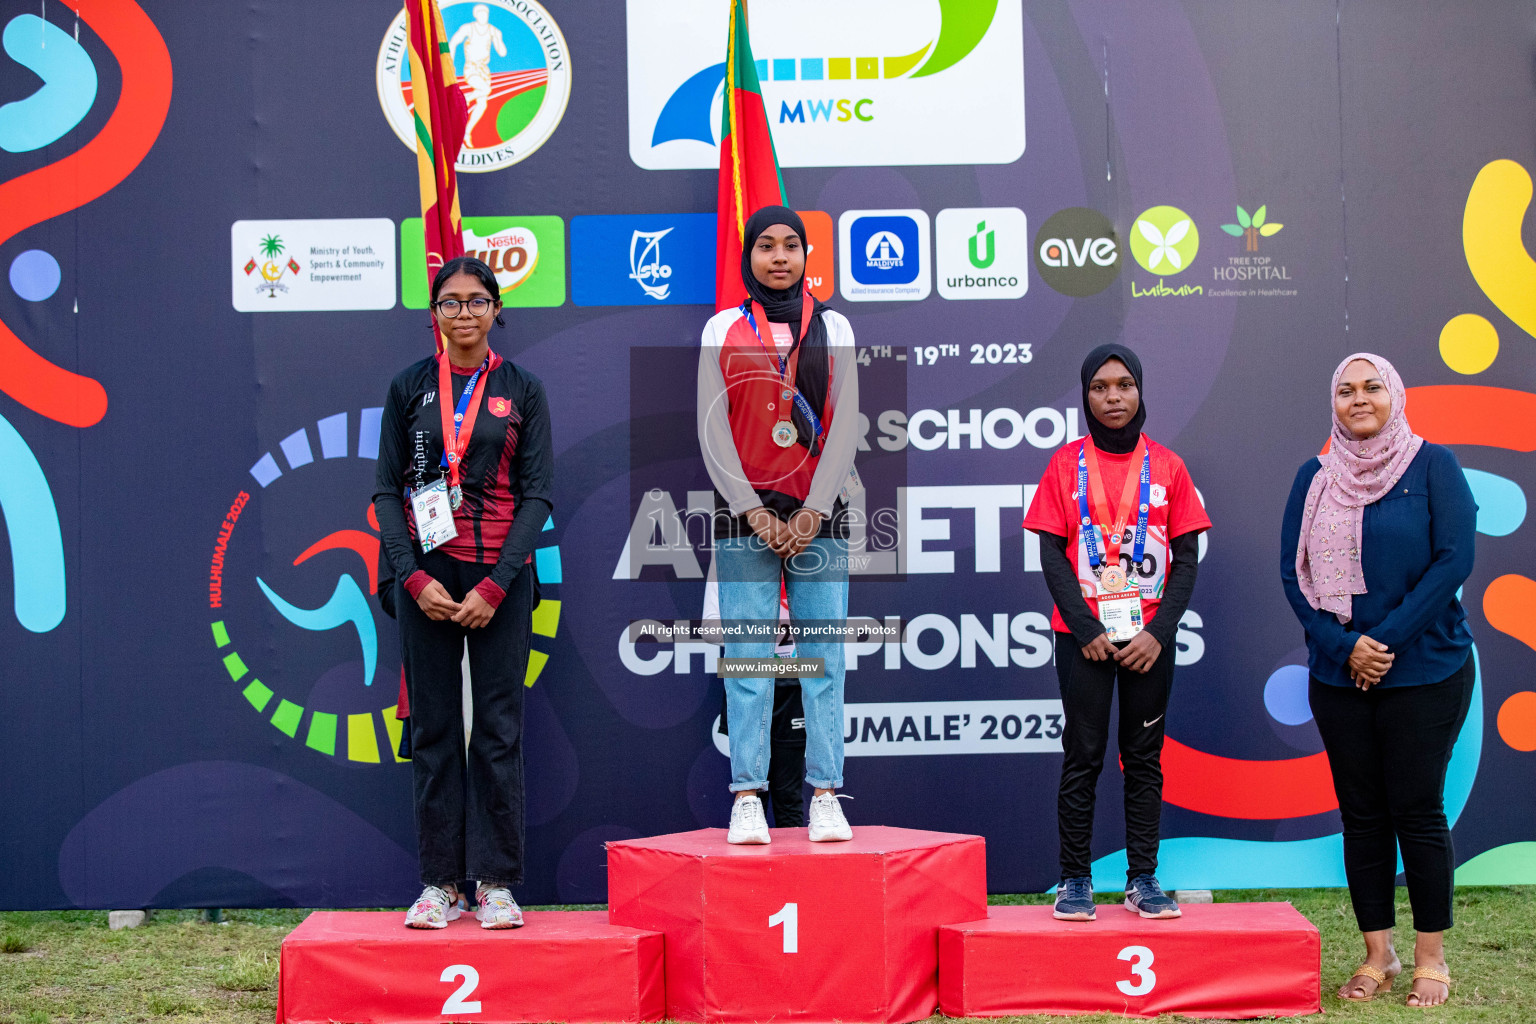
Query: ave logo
[{"x": 1077, "y": 252}]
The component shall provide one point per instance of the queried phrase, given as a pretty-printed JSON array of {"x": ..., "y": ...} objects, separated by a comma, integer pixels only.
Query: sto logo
[{"x": 47, "y": 115}]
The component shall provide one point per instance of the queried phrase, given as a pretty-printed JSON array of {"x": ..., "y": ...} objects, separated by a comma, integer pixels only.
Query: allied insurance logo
[
  {"x": 885, "y": 255},
  {"x": 514, "y": 69},
  {"x": 849, "y": 83},
  {"x": 294, "y": 618}
]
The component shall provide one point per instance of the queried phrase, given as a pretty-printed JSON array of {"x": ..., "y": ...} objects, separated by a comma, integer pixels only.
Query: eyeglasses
[{"x": 478, "y": 306}]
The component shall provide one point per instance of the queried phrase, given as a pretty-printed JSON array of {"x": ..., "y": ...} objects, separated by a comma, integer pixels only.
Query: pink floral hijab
[{"x": 1355, "y": 473}]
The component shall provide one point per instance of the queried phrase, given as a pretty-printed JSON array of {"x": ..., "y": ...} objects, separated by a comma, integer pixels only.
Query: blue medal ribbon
[
  {"x": 1143, "y": 510},
  {"x": 799, "y": 399},
  {"x": 462, "y": 408}
]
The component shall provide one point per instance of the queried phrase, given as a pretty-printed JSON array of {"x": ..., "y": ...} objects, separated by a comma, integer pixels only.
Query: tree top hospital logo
[
  {"x": 514, "y": 68},
  {"x": 851, "y": 83},
  {"x": 294, "y": 616}
]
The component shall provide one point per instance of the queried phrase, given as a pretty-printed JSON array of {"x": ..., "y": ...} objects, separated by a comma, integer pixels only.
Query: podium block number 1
[
  {"x": 789, "y": 916},
  {"x": 1141, "y": 969},
  {"x": 456, "y": 1002}
]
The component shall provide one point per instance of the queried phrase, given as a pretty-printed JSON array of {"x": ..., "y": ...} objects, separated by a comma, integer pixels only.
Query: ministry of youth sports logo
[
  {"x": 293, "y": 607},
  {"x": 514, "y": 69}
]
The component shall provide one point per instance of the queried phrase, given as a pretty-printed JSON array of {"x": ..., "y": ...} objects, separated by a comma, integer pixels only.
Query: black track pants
[
  {"x": 1087, "y": 691},
  {"x": 469, "y": 808}
]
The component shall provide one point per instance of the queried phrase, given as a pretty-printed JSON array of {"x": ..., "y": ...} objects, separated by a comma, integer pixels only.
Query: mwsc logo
[
  {"x": 513, "y": 66},
  {"x": 856, "y": 83}
]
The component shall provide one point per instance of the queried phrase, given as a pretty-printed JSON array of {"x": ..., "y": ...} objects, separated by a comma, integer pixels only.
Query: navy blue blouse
[{"x": 1416, "y": 553}]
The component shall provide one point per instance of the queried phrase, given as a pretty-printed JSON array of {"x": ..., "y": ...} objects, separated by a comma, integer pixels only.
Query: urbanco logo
[
  {"x": 885, "y": 255},
  {"x": 514, "y": 68},
  {"x": 1078, "y": 252},
  {"x": 982, "y": 252},
  {"x": 294, "y": 593},
  {"x": 849, "y": 83}
]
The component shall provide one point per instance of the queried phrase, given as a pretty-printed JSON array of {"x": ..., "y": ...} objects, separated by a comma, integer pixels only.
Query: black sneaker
[
  {"x": 1074, "y": 900},
  {"x": 1145, "y": 897}
]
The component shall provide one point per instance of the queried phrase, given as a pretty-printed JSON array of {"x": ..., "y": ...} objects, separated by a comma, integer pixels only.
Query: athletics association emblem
[{"x": 514, "y": 69}]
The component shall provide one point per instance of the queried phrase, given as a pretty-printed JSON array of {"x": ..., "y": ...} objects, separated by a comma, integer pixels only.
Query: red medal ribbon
[
  {"x": 1127, "y": 508},
  {"x": 784, "y": 407},
  {"x": 456, "y": 438}
]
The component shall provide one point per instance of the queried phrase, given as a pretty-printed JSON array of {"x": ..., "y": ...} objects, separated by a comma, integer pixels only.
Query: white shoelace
[{"x": 748, "y": 815}]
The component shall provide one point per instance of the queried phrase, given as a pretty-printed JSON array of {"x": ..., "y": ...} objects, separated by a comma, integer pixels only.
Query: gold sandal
[
  {"x": 1431, "y": 974},
  {"x": 1382, "y": 979}
]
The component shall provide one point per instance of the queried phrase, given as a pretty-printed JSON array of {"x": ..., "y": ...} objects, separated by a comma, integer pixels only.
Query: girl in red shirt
[{"x": 1119, "y": 524}]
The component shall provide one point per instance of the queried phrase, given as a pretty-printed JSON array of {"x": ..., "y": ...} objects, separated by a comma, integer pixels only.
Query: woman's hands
[
  {"x": 436, "y": 604},
  {"x": 1139, "y": 655},
  {"x": 1100, "y": 648},
  {"x": 785, "y": 539},
  {"x": 473, "y": 612},
  {"x": 1368, "y": 662}
]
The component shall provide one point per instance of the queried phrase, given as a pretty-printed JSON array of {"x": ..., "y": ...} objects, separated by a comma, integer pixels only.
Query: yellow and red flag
[
  {"x": 441, "y": 114},
  {"x": 749, "y": 167}
]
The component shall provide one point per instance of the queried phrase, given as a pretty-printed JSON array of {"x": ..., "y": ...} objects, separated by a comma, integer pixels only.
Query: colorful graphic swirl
[{"x": 41, "y": 119}]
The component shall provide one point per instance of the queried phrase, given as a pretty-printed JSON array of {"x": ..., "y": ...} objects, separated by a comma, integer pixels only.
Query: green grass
[{"x": 67, "y": 966}]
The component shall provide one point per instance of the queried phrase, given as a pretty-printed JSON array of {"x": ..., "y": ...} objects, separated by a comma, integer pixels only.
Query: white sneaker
[
  {"x": 827, "y": 822},
  {"x": 748, "y": 826},
  {"x": 497, "y": 908},
  {"x": 434, "y": 908}
]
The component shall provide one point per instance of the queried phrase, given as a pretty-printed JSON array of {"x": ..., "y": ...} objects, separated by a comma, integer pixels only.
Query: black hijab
[
  {"x": 1115, "y": 440},
  {"x": 784, "y": 306}
]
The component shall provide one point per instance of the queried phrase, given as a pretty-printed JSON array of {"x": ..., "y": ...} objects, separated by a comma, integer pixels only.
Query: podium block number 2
[
  {"x": 456, "y": 1003},
  {"x": 1141, "y": 969},
  {"x": 789, "y": 916}
]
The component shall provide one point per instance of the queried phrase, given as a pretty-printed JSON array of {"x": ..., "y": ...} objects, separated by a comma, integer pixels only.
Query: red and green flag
[
  {"x": 441, "y": 114},
  {"x": 749, "y": 167}
]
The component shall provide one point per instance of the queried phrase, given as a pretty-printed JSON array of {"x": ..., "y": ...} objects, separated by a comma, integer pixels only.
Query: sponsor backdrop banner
[{"x": 210, "y": 235}]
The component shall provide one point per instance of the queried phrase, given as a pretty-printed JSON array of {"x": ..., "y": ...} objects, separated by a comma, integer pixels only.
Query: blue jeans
[{"x": 817, "y": 582}]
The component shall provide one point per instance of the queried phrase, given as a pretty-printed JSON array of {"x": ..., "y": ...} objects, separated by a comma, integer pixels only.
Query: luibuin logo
[
  {"x": 328, "y": 673},
  {"x": 1164, "y": 241},
  {"x": 1250, "y": 228},
  {"x": 514, "y": 70}
]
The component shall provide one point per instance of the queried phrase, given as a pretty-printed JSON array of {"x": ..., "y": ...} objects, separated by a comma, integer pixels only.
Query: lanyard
[
  {"x": 458, "y": 430},
  {"x": 788, "y": 393},
  {"x": 1088, "y": 459}
]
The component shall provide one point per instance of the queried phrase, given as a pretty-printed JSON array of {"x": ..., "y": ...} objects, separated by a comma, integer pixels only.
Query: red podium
[
  {"x": 799, "y": 930},
  {"x": 368, "y": 968},
  {"x": 1218, "y": 960}
]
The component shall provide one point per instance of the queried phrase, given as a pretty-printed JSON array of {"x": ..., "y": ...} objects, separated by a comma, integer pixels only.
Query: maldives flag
[
  {"x": 441, "y": 114},
  {"x": 749, "y": 168}
]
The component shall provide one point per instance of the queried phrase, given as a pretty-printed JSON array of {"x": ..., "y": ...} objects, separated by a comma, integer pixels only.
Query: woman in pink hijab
[{"x": 1378, "y": 539}]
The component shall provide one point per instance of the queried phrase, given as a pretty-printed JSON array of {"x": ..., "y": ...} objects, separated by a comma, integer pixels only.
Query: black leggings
[
  {"x": 1388, "y": 748},
  {"x": 1087, "y": 690},
  {"x": 469, "y": 808}
]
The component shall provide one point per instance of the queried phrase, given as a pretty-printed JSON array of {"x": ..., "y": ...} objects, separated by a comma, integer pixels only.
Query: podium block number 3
[
  {"x": 456, "y": 1003},
  {"x": 1141, "y": 969},
  {"x": 788, "y": 916}
]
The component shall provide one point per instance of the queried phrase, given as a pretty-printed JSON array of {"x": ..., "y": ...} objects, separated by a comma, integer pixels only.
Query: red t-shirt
[{"x": 1176, "y": 510}]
